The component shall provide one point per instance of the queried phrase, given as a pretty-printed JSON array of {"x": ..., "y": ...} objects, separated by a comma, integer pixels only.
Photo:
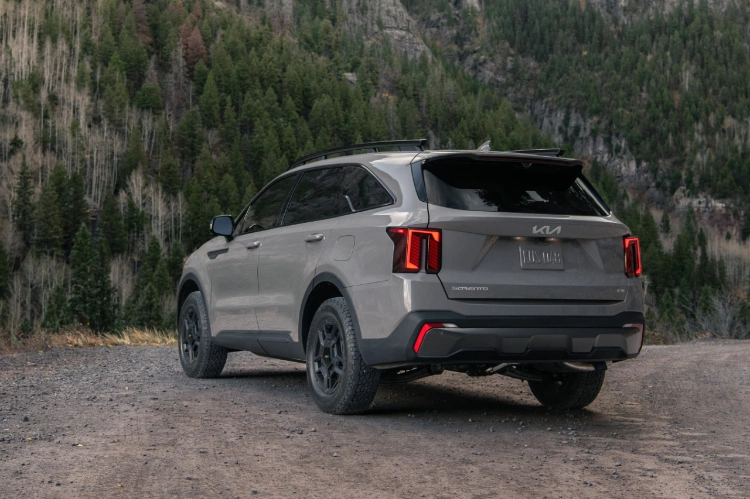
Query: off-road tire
[
  {"x": 357, "y": 383},
  {"x": 207, "y": 359},
  {"x": 568, "y": 390}
]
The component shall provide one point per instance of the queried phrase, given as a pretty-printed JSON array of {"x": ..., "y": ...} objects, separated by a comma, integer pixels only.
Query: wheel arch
[
  {"x": 325, "y": 286},
  {"x": 188, "y": 284}
]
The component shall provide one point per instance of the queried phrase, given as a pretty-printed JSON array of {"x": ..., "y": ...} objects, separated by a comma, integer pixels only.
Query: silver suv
[{"x": 388, "y": 263}]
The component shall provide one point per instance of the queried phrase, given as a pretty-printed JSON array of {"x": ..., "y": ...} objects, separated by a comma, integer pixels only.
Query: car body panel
[
  {"x": 234, "y": 278},
  {"x": 287, "y": 264},
  {"x": 481, "y": 250}
]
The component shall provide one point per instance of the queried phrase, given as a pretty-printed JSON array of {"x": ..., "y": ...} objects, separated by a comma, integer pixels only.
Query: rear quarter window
[
  {"x": 511, "y": 187},
  {"x": 364, "y": 191}
]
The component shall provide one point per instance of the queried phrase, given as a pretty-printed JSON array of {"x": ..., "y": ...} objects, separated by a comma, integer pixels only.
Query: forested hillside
[
  {"x": 674, "y": 84},
  {"x": 126, "y": 125},
  {"x": 661, "y": 92}
]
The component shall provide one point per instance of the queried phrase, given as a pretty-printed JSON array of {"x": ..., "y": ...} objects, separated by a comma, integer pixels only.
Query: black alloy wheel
[
  {"x": 190, "y": 336},
  {"x": 329, "y": 360},
  {"x": 199, "y": 356},
  {"x": 340, "y": 381}
]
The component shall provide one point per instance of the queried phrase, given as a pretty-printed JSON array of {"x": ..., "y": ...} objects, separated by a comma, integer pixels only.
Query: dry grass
[
  {"x": 130, "y": 336},
  {"x": 82, "y": 338}
]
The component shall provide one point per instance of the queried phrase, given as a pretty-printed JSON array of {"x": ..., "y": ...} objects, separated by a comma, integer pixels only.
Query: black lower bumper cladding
[{"x": 507, "y": 339}]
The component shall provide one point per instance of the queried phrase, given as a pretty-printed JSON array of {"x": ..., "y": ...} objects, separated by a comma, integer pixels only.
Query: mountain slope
[{"x": 125, "y": 126}]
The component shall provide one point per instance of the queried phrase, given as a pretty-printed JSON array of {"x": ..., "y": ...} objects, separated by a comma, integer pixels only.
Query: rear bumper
[{"x": 507, "y": 339}]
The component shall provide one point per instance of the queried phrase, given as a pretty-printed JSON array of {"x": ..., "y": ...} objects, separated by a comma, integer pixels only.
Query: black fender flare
[
  {"x": 339, "y": 284},
  {"x": 190, "y": 276}
]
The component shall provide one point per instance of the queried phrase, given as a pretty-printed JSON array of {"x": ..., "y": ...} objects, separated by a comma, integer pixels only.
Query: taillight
[
  {"x": 416, "y": 249},
  {"x": 632, "y": 256},
  {"x": 423, "y": 332}
]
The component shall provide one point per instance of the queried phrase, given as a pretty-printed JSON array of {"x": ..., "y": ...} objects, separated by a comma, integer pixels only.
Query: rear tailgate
[{"x": 524, "y": 231}]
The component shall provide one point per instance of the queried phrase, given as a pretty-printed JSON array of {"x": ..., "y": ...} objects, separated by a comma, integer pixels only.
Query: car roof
[{"x": 408, "y": 157}]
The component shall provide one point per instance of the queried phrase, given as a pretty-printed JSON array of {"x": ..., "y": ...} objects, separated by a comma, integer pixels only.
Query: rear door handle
[
  {"x": 253, "y": 245},
  {"x": 313, "y": 238}
]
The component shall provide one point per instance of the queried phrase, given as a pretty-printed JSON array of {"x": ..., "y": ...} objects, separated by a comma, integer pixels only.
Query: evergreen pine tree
[
  {"x": 73, "y": 207},
  {"x": 82, "y": 263},
  {"x": 135, "y": 155},
  {"x": 175, "y": 262},
  {"x": 149, "y": 310},
  {"x": 250, "y": 193},
  {"x": 23, "y": 208},
  {"x": 145, "y": 303},
  {"x": 200, "y": 75},
  {"x": 133, "y": 54},
  {"x": 152, "y": 257},
  {"x": 56, "y": 313},
  {"x": 230, "y": 132},
  {"x": 228, "y": 195},
  {"x": 48, "y": 237},
  {"x": 746, "y": 227},
  {"x": 705, "y": 301},
  {"x": 112, "y": 227},
  {"x": 149, "y": 98},
  {"x": 102, "y": 312},
  {"x": 201, "y": 208},
  {"x": 4, "y": 273},
  {"x": 161, "y": 281},
  {"x": 209, "y": 103},
  {"x": 170, "y": 176},
  {"x": 189, "y": 139},
  {"x": 135, "y": 222},
  {"x": 649, "y": 233},
  {"x": 690, "y": 227},
  {"x": 664, "y": 225}
]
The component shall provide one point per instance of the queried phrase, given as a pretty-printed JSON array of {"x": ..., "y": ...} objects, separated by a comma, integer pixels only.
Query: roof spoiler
[
  {"x": 417, "y": 145},
  {"x": 554, "y": 153}
]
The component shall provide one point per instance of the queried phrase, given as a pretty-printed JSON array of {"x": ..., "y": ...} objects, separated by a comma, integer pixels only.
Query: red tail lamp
[
  {"x": 633, "y": 266},
  {"x": 408, "y": 247}
]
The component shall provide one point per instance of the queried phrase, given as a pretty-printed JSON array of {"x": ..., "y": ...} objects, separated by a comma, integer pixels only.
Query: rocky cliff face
[
  {"x": 389, "y": 18},
  {"x": 625, "y": 10},
  {"x": 407, "y": 34},
  {"x": 558, "y": 123}
]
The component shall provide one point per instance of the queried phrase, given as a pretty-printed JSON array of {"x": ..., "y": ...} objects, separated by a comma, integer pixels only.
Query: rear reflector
[
  {"x": 632, "y": 256},
  {"x": 640, "y": 328},
  {"x": 423, "y": 331},
  {"x": 408, "y": 249}
]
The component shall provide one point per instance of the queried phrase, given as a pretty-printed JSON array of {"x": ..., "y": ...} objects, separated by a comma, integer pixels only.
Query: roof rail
[
  {"x": 555, "y": 153},
  {"x": 416, "y": 145}
]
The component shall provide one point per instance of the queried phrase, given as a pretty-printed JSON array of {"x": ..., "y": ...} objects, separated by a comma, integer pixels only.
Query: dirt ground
[{"x": 125, "y": 422}]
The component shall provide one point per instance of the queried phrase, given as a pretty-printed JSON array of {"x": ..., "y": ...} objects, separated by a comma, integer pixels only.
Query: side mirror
[{"x": 223, "y": 225}]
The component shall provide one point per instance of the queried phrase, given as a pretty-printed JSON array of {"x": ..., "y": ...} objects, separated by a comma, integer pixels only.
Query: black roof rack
[
  {"x": 555, "y": 153},
  {"x": 416, "y": 145}
]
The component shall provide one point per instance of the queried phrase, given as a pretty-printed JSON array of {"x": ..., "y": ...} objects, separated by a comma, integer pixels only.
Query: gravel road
[{"x": 125, "y": 422}]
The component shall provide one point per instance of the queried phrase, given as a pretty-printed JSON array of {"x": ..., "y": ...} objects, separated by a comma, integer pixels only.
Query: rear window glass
[{"x": 510, "y": 187}]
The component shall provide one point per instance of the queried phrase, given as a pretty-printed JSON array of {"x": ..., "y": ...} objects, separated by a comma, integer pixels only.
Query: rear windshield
[{"x": 511, "y": 187}]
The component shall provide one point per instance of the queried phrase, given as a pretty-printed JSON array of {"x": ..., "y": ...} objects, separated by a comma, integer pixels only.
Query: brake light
[
  {"x": 632, "y": 256},
  {"x": 409, "y": 245},
  {"x": 423, "y": 332}
]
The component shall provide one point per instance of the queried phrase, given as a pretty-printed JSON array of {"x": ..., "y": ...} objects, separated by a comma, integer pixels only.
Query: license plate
[{"x": 541, "y": 257}]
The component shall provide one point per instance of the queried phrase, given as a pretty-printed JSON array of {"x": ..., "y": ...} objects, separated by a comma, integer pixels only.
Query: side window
[
  {"x": 317, "y": 196},
  {"x": 363, "y": 190},
  {"x": 264, "y": 211}
]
